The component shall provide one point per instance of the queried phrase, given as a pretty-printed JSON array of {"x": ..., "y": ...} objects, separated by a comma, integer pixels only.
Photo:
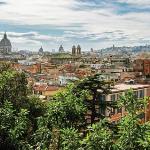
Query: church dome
[
  {"x": 5, "y": 45},
  {"x": 61, "y": 49},
  {"x": 78, "y": 47},
  {"x": 41, "y": 50},
  {"x": 5, "y": 41},
  {"x": 73, "y": 47}
]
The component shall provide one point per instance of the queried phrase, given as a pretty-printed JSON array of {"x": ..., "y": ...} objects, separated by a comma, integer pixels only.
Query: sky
[{"x": 96, "y": 24}]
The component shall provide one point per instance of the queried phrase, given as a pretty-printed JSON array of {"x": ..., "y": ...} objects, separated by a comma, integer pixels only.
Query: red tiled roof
[{"x": 45, "y": 88}]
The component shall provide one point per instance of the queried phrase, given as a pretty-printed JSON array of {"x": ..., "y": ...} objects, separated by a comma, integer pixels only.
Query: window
[
  {"x": 119, "y": 95},
  {"x": 136, "y": 94},
  {"x": 141, "y": 94},
  {"x": 102, "y": 98},
  {"x": 113, "y": 97}
]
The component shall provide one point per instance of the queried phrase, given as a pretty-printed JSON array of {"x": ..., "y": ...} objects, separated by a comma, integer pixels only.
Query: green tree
[
  {"x": 19, "y": 112},
  {"x": 13, "y": 126},
  {"x": 27, "y": 123},
  {"x": 13, "y": 87},
  {"x": 36, "y": 109},
  {"x": 92, "y": 84},
  {"x": 19, "y": 130},
  {"x": 132, "y": 133},
  {"x": 144, "y": 140},
  {"x": 67, "y": 110},
  {"x": 6, "y": 122},
  {"x": 42, "y": 138},
  {"x": 70, "y": 139},
  {"x": 99, "y": 137}
]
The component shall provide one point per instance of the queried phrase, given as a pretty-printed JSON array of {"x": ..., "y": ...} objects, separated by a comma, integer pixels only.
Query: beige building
[{"x": 140, "y": 91}]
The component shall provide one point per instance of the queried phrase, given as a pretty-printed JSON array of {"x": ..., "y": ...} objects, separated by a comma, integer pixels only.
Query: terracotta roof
[{"x": 45, "y": 88}]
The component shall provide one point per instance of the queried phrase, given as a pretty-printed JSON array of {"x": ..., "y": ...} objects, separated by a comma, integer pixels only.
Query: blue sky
[{"x": 90, "y": 23}]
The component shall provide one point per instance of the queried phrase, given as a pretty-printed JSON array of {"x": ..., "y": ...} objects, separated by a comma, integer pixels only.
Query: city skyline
[{"x": 90, "y": 23}]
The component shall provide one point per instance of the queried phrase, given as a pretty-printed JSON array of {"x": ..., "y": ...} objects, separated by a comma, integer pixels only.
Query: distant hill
[{"x": 125, "y": 49}]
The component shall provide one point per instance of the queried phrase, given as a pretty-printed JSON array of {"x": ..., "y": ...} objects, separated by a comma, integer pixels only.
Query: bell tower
[
  {"x": 73, "y": 50},
  {"x": 78, "y": 50}
]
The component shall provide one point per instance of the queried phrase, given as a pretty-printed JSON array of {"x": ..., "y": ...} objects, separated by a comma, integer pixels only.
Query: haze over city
[{"x": 90, "y": 23}]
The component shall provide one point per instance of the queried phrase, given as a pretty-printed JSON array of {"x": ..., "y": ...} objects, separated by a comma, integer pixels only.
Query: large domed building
[
  {"x": 5, "y": 45},
  {"x": 41, "y": 51}
]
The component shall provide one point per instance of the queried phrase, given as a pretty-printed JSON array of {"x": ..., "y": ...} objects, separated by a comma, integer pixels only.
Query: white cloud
[
  {"x": 94, "y": 23},
  {"x": 31, "y": 40},
  {"x": 37, "y": 11},
  {"x": 35, "y": 36},
  {"x": 145, "y": 3}
]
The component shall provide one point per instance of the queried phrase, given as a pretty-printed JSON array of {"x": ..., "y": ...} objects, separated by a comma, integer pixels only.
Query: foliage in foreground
[{"x": 28, "y": 124}]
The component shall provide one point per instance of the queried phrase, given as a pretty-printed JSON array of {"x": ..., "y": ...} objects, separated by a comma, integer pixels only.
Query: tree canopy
[{"x": 27, "y": 123}]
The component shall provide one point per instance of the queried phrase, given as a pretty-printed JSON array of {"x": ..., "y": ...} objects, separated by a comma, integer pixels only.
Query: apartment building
[
  {"x": 114, "y": 115},
  {"x": 142, "y": 65}
]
